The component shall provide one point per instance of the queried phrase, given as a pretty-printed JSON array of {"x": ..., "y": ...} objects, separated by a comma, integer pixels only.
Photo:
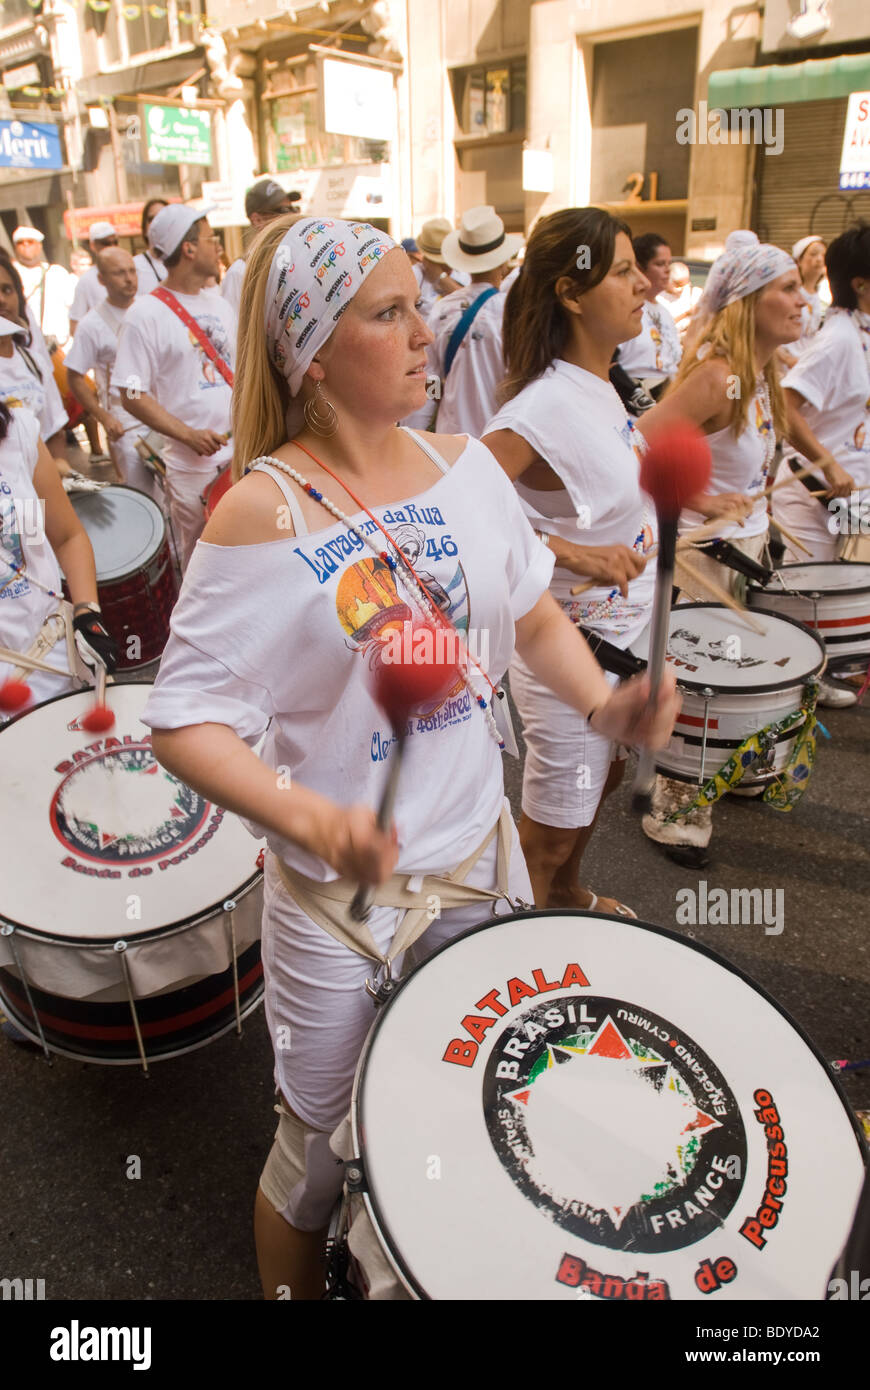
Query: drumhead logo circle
[
  {"x": 119, "y": 806},
  {"x": 658, "y": 1147}
]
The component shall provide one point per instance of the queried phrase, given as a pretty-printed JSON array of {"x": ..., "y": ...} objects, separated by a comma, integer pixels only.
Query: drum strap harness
[
  {"x": 168, "y": 298},
  {"x": 791, "y": 783},
  {"x": 422, "y": 897}
]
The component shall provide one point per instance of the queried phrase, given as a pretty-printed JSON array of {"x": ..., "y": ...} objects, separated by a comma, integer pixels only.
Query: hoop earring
[{"x": 320, "y": 414}]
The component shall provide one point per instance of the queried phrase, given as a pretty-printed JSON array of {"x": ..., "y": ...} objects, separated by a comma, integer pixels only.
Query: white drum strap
[
  {"x": 421, "y": 896},
  {"x": 55, "y": 627}
]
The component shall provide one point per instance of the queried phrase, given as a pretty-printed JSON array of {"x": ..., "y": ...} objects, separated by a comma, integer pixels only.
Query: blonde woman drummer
[
  {"x": 283, "y": 614},
  {"x": 728, "y": 385}
]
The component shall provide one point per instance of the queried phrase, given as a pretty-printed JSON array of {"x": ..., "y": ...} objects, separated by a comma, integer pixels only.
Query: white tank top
[{"x": 741, "y": 464}]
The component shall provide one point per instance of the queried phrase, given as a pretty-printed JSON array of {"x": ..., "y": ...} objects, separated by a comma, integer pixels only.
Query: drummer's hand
[
  {"x": 841, "y": 482},
  {"x": 350, "y": 841},
  {"x": 113, "y": 427},
  {"x": 606, "y": 564},
  {"x": 204, "y": 442},
  {"x": 735, "y": 505},
  {"x": 626, "y": 719},
  {"x": 94, "y": 643}
]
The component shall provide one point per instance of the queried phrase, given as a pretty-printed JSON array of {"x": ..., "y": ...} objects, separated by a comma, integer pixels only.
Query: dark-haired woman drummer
[{"x": 565, "y": 439}]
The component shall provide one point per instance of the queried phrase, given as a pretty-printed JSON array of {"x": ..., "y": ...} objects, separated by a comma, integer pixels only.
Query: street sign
[
  {"x": 177, "y": 135},
  {"x": 228, "y": 204},
  {"x": 855, "y": 158},
  {"x": 26, "y": 145}
]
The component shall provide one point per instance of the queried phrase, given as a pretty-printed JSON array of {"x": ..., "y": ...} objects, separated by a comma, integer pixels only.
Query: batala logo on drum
[
  {"x": 614, "y": 1123},
  {"x": 116, "y": 805}
]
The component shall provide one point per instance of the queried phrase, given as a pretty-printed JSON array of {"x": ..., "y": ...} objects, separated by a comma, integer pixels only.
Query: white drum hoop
[{"x": 375, "y": 1209}]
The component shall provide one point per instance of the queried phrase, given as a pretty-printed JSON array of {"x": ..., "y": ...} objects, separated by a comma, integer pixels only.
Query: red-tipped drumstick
[
  {"x": 675, "y": 468},
  {"x": 414, "y": 671},
  {"x": 99, "y": 718}
]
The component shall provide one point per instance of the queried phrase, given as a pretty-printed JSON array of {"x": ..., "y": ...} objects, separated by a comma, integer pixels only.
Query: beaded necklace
[
  {"x": 765, "y": 427},
  {"x": 20, "y": 572},
  {"x": 400, "y": 566}
]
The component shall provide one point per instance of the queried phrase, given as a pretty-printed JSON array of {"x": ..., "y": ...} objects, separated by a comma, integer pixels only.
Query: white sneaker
[{"x": 835, "y": 697}]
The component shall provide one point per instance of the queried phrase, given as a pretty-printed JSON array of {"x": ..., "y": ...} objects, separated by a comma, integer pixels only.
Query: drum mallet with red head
[
  {"x": 420, "y": 669},
  {"x": 675, "y": 468}
]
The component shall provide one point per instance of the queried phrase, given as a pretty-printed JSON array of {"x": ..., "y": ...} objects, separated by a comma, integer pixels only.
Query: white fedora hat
[{"x": 481, "y": 242}]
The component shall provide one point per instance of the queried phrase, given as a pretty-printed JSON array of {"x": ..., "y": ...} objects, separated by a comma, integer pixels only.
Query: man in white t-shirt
[
  {"x": 465, "y": 362},
  {"x": 174, "y": 365},
  {"x": 94, "y": 348},
  {"x": 680, "y": 296},
  {"x": 48, "y": 289},
  {"x": 90, "y": 291},
  {"x": 264, "y": 201}
]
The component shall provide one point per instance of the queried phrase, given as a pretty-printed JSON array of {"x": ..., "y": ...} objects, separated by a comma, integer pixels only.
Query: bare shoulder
[
  {"x": 449, "y": 446},
  {"x": 253, "y": 511}
]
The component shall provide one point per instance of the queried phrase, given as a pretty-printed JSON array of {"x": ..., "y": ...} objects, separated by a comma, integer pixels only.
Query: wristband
[{"x": 543, "y": 537}]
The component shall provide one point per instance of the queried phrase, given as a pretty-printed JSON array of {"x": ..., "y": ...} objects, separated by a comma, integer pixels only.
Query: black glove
[{"x": 93, "y": 641}]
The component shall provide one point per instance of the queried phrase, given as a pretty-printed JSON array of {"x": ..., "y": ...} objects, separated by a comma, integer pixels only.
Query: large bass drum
[
  {"x": 562, "y": 1105},
  {"x": 130, "y": 906}
]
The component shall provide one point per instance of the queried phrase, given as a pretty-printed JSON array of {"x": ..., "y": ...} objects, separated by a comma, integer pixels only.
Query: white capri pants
[
  {"x": 186, "y": 511},
  {"x": 318, "y": 1014}
]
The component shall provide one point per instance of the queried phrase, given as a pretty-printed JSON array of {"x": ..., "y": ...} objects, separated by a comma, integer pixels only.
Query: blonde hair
[
  {"x": 731, "y": 334},
  {"x": 260, "y": 394}
]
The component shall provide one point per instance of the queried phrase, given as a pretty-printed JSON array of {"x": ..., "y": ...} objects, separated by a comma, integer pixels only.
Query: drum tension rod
[
  {"x": 355, "y": 1175},
  {"x": 8, "y": 931},
  {"x": 120, "y": 948},
  {"x": 230, "y": 910}
]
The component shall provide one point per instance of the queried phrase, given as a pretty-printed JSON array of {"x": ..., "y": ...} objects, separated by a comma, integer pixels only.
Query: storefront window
[
  {"x": 297, "y": 142},
  {"x": 133, "y": 27},
  {"x": 491, "y": 100}
]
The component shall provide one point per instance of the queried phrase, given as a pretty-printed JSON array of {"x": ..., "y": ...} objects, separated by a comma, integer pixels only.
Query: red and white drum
[
  {"x": 216, "y": 490},
  {"x": 734, "y": 682},
  {"x": 130, "y": 910},
  {"x": 136, "y": 580},
  {"x": 832, "y": 598},
  {"x": 563, "y": 1106}
]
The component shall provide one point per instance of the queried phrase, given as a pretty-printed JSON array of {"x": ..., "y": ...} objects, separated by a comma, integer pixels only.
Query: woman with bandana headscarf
[
  {"x": 283, "y": 613},
  {"x": 728, "y": 385}
]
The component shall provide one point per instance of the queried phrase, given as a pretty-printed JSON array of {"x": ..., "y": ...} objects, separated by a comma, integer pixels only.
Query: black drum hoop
[
  {"x": 736, "y": 692},
  {"x": 810, "y": 593},
  {"x": 358, "y": 1097}
]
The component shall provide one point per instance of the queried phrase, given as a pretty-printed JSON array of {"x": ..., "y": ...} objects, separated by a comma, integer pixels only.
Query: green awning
[{"x": 788, "y": 82}]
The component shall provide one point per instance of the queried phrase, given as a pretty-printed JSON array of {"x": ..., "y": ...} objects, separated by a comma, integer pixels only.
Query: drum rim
[
  {"x": 811, "y": 593},
  {"x": 737, "y": 692},
  {"x": 106, "y": 581},
  {"x": 389, "y": 1245},
  {"x": 203, "y": 915}
]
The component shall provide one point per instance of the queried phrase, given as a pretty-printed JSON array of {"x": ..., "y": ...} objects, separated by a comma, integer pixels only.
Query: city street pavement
[{"x": 202, "y": 1124}]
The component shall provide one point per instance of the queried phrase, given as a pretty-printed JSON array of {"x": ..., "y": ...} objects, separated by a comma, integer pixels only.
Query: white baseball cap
[
  {"x": 27, "y": 234},
  {"x": 99, "y": 231},
  {"x": 172, "y": 224}
]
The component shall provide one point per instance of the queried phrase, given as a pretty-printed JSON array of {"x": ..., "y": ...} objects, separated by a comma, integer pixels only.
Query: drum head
[
  {"x": 125, "y": 528},
  {"x": 561, "y": 1105},
  {"x": 105, "y": 842},
  {"x": 712, "y": 646},
  {"x": 832, "y": 576}
]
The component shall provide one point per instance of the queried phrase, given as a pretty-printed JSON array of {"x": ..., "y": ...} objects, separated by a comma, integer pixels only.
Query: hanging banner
[
  {"x": 177, "y": 135},
  {"x": 26, "y": 145},
  {"x": 855, "y": 156}
]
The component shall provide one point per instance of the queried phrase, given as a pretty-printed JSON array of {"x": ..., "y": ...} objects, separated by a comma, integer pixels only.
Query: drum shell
[
  {"x": 182, "y": 980},
  {"x": 139, "y": 603},
  {"x": 730, "y": 720},
  {"x": 841, "y": 617}
]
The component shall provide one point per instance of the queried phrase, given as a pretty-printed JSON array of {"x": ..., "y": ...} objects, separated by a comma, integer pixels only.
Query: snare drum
[
  {"x": 216, "y": 490},
  {"x": 130, "y": 908},
  {"x": 563, "y": 1106},
  {"x": 832, "y": 598},
  {"x": 734, "y": 682},
  {"x": 136, "y": 581}
]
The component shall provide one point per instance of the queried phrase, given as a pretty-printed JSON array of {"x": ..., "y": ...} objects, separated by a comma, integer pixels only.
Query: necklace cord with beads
[{"x": 445, "y": 621}]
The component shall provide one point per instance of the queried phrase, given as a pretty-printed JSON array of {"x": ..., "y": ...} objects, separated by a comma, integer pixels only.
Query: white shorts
[
  {"x": 317, "y": 1009},
  {"x": 566, "y": 762},
  {"x": 186, "y": 510},
  {"x": 808, "y": 519}
]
